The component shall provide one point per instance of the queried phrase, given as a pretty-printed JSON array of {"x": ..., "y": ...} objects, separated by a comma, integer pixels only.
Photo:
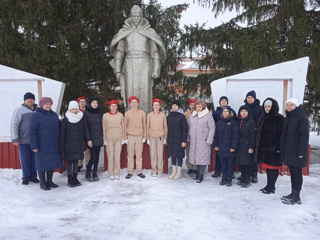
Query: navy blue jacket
[
  {"x": 177, "y": 134},
  {"x": 217, "y": 114},
  {"x": 44, "y": 136},
  {"x": 226, "y": 137},
  {"x": 255, "y": 109}
]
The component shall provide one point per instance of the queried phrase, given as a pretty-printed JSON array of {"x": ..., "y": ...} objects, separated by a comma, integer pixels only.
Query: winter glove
[
  {"x": 122, "y": 142},
  {"x": 165, "y": 141},
  {"x": 143, "y": 140},
  {"x": 105, "y": 143},
  {"x": 126, "y": 141},
  {"x": 148, "y": 142}
]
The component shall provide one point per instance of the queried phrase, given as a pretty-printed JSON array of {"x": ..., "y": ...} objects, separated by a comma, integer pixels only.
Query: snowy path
[{"x": 155, "y": 208}]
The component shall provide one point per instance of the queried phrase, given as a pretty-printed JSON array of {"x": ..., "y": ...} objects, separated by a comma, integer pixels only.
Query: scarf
[
  {"x": 74, "y": 118},
  {"x": 201, "y": 114}
]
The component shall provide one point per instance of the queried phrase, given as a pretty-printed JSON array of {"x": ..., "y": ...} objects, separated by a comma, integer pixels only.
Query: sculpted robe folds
[{"x": 138, "y": 52}]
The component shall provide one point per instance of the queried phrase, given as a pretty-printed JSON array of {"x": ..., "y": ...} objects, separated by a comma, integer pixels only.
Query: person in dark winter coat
[
  {"x": 226, "y": 141},
  {"x": 94, "y": 124},
  {"x": 294, "y": 147},
  {"x": 247, "y": 139},
  {"x": 177, "y": 138},
  {"x": 201, "y": 134},
  {"x": 223, "y": 101},
  {"x": 73, "y": 138},
  {"x": 267, "y": 150},
  {"x": 44, "y": 141},
  {"x": 255, "y": 109},
  {"x": 19, "y": 130}
]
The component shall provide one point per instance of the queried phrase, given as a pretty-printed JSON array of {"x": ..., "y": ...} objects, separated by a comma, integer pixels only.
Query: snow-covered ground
[{"x": 154, "y": 208}]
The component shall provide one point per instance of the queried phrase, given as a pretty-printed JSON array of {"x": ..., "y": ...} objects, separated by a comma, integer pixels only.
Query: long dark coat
[
  {"x": 177, "y": 134},
  {"x": 247, "y": 139},
  {"x": 44, "y": 136},
  {"x": 295, "y": 138},
  {"x": 94, "y": 124},
  {"x": 268, "y": 136},
  {"x": 255, "y": 109},
  {"x": 73, "y": 139},
  {"x": 226, "y": 137}
]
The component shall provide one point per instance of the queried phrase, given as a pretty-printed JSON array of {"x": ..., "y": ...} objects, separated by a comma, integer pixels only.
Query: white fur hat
[
  {"x": 72, "y": 105},
  {"x": 294, "y": 101}
]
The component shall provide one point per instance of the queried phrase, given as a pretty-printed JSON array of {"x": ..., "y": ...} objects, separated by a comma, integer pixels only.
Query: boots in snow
[
  {"x": 71, "y": 181},
  {"x": 196, "y": 177},
  {"x": 88, "y": 176},
  {"x": 174, "y": 172},
  {"x": 75, "y": 180},
  {"x": 200, "y": 179},
  {"x": 287, "y": 197},
  {"x": 43, "y": 183},
  {"x": 49, "y": 179},
  {"x": 216, "y": 174},
  {"x": 254, "y": 177},
  {"x": 95, "y": 176},
  {"x": 178, "y": 175},
  {"x": 295, "y": 199}
]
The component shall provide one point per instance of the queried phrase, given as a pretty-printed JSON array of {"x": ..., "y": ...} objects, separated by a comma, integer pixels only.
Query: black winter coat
[
  {"x": 73, "y": 139},
  {"x": 295, "y": 138},
  {"x": 94, "y": 124},
  {"x": 226, "y": 137},
  {"x": 268, "y": 136},
  {"x": 217, "y": 114},
  {"x": 177, "y": 134},
  {"x": 255, "y": 109},
  {"x": 247, "y": 139}
]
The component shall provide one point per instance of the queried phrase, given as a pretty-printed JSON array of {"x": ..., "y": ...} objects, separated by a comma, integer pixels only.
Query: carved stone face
[{"x": 136, "y": 18}]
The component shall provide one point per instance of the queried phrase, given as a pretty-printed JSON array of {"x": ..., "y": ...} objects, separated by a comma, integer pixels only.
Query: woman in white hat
[{"x": 294, "y": 147}]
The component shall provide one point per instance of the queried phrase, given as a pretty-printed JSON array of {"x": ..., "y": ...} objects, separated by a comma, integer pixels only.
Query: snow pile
[{"x": 156, "y": 208}]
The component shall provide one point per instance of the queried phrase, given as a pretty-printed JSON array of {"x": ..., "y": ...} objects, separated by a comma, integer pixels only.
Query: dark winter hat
[
  {"x": 252, "y": 94},
  {"x": 224, "y": 97},
  {"x": 45, "y": 100},
  {"x": 29, "y": 95},
  {"x": 244, "y": 107},
  {"x": 227, "y": 107},
  {"x": 91, "y": 99},
  {"x": 176, "y": 102}
]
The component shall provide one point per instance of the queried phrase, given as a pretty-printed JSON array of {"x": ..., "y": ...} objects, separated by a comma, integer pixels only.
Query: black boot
[
  {"x": 71, "y": 181},
  {"x": 295, "y": 199},
  {"x": 200, "y": 178},
  {"x": 88, "y": 176},
  {"x": 49, "y": 179},
  {"x": 43, "y": 184},
  {"x": 254, "y": 177},
  {"x": 196, "y": 176},
  {"x": 75, "y": 179},
  {"x": 287, "y": 197},
  {"x": 216, "y": 174},
  {"x": 95, "y": 176}
]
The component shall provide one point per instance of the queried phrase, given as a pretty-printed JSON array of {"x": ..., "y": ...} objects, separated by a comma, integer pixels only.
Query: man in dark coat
[
  {"x": 177, "y": 138},
  {"x": 294, "y": 147},
  {"x": 255, "y": 109},
  {"x": 223, "y": 101}
]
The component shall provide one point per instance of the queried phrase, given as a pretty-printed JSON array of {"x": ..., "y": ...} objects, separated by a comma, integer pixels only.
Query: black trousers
[
  {"x": 201, "y": 168},
  {"x": 246, "y": 172},
  {"x": 72, "y": 167},
  {"x": 94, "y": 160},
  {"x": 272, "y": 176},
  {"x": 296, "y": 177},
  {"x": 175, "y": 160},
  {"x": 218, "y": 164}
]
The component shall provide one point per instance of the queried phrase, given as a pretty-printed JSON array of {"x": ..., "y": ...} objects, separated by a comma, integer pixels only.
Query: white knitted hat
[
  {"x": 294, "y": 101},
  {"x": 73, "y": 104}
]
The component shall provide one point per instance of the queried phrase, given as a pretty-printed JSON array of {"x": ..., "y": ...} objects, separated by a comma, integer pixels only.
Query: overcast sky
[{"x": 198, "y": 14}]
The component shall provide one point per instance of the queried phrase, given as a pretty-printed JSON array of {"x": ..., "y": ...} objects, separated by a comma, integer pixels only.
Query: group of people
[{"x": 258, "y": 134}]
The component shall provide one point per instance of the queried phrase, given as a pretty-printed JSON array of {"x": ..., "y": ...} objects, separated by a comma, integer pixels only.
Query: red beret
[
  {"x": 112, "y": 102},
  {"x": 156, "y": 100},
  {"x": 133, "y": 97},
  {"x": 79, "y": 98},
  {"x": 192, "y": 101}
]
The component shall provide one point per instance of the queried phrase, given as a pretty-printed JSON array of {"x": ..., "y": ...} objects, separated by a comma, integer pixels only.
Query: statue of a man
[{"x": 138, "y": 52}]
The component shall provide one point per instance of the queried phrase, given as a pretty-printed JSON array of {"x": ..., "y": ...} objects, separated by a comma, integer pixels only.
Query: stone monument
[{"x": 138, "y": 53}]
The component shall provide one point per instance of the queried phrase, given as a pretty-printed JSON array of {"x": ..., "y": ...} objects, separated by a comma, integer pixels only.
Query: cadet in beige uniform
[
  {"x": 135, "y": 135},
  {"x": 156, "y": 134},
  {"x": 192, "y": 169},
  {"x": 113, "y": 137}
]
